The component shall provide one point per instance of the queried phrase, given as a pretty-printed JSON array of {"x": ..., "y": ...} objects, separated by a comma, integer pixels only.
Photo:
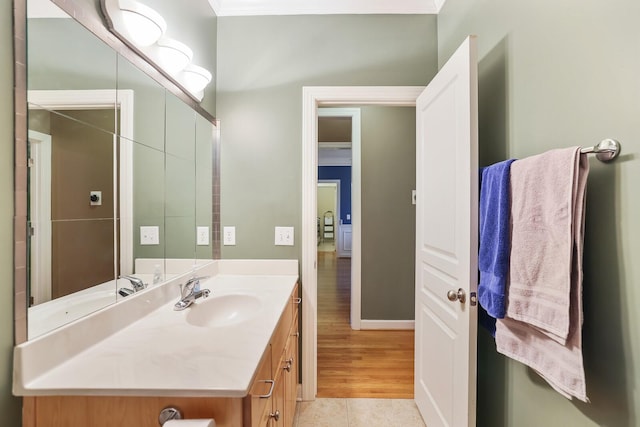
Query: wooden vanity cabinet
[
  {"x": 280, "y": 407},
  {"x": 278, "y": 367}
]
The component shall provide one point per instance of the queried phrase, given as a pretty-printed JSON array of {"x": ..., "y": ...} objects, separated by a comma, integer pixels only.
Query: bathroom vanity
[{"x": 232, "y": 356}]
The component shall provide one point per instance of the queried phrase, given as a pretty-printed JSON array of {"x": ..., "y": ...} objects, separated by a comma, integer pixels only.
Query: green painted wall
[
  {"x": 263, "y": 63},
  {"x": 388, "y": 217},
  {"x": 10, "y": 407},
  {"x": 557, "y": 74}
]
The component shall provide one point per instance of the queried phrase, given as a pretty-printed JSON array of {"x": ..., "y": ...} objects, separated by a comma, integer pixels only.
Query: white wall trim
[
  {"x": 95, "y": 99},
  {"x": 312, "y": 98},
  {"x": 334, "y": 144},
  {"x": 341, "y": 251},
  {"x": 438, "y": 5},
  {"x": 322, "y": 7},
  {"x": 334, "y": 157},
  {"x": 388, "y": 324}
]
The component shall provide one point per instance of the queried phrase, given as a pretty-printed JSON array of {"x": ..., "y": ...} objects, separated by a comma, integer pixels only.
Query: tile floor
[{"x": 358, "y": 413}]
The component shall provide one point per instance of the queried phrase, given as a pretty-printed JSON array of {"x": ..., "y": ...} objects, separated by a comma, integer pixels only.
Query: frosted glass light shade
[
  {"x": 144, "y": 25},
  {"x": 195, "y": 78},
  {"x": 172, "y": 55}
]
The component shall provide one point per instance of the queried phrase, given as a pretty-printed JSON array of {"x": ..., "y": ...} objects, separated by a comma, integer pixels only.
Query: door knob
[{"x": 460, "y": 295}]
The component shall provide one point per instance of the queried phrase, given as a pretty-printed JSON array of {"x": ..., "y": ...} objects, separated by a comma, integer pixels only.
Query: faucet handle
[
  {"x": 137, "y": 283},
  {"x": 191, "y": 285}
]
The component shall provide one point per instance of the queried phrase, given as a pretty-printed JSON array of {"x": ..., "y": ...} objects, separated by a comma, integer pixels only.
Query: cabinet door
[
  {"x": 259, "y": 400},
  {"x": 291, "y": 374},
  {"x": 277, "y": 415}
]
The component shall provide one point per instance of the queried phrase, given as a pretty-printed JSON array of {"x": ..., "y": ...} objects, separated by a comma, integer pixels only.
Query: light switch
[
  {"x": 229, "y": 236},
  {"x": 284, "y": 236},
  {"x": 202, "y": 236},
  {"x": 149, "y": 235}
]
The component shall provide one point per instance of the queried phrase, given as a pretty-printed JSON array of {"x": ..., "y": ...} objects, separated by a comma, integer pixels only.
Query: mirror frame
[{"x": 77, "y": 12}]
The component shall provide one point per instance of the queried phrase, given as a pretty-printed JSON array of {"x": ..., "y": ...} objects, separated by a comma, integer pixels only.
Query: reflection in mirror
[
  {"x": 71, "y": 186},
  {"x": 125, "y": 156},
  {"x": 204, "y": 188},
  {"x": 180, "y": 179},
  {"x": 147, "y": 167}
]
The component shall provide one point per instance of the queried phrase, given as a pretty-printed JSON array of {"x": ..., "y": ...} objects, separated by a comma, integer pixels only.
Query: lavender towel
[
  {"x": 543, "y": 324},
  {"x": 495, "y": 245}
]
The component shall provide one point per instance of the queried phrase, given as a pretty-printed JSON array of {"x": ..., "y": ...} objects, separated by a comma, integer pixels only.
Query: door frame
[
  {"x": 121, "y": 99},
  {"x": 314, "y": 97},
  {"x": 40, "y": 214}
]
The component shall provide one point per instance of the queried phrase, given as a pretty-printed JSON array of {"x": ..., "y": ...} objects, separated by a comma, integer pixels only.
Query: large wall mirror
[{"x": 121, "y": 177}]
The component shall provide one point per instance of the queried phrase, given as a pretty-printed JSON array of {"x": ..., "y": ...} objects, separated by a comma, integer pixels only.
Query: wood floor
[{"x": 371, "y": 364}]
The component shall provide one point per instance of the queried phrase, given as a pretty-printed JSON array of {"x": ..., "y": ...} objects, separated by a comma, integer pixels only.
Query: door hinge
[
  {"x": 473, "y": 299},
  {"x": 30, "y": 162},
  {"x": 31, "y": 231}
]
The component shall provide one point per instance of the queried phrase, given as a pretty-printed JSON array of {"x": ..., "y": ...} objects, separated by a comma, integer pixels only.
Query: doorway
[
  {"x": 313, "y": 100},
  {"x": 328, "y": 212}
]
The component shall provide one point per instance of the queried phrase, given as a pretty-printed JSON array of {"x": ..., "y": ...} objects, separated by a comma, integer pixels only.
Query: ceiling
[
  {"x": 324, "y": 7},
  {"x": 44, "y": 8}
]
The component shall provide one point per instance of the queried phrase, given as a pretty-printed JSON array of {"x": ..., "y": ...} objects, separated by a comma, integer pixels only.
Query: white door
[
  {"x": 446, "y": 243},
  {"x": 40, "y": 215}
]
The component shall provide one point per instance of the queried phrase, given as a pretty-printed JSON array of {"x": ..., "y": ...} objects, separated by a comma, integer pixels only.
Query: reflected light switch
[
  {"x": 202, "y": 236},
  {"x": 149, "y": 235}
]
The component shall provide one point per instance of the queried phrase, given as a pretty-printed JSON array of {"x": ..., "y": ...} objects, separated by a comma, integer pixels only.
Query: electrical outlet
[
  {"x": 149, "y": 235},
  {"x": 284, "y": 236},
  {"x": 202, "y": 236},
  {"x": 229, "y": 236}
]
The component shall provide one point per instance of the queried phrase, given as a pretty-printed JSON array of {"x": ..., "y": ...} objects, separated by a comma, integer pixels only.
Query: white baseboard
[{"x": 387, "y": 324}]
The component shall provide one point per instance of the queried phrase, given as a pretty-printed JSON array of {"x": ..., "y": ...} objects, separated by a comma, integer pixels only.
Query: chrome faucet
[
  {"x": 136, "y": 283},
  {"x": 189, "y": 292}
]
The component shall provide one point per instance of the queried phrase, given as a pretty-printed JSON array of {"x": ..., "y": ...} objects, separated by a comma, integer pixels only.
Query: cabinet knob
[
  {"x": 288, "y": 362},
  {"x": 275, "y": 415}
]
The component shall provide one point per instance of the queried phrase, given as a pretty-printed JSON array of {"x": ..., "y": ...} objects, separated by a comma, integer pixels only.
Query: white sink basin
[{"x": 224, "y": 310}]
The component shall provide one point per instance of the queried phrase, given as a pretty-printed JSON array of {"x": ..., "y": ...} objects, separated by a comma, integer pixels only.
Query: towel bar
[{"x": 607, "y": 150}]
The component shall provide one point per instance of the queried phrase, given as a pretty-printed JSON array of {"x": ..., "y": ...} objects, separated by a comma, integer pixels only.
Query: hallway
[
  {"x": 356, "y": 364},
  {"x": 365, "y": 378}
]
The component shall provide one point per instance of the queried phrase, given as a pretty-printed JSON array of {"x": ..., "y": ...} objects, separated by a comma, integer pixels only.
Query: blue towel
[{"x": 495, "y": 244}]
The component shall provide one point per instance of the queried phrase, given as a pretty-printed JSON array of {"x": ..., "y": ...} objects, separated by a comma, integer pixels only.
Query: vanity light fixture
[
  {"x": 195, "y": 78},
  {"x": 140, "y": 24},
  {"x": 172, "y": 55},
  {"x": 143, "y": 29}
]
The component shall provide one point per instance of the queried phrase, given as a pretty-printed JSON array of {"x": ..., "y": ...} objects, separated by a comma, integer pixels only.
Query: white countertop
[{"x": 159, "y": 353}]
